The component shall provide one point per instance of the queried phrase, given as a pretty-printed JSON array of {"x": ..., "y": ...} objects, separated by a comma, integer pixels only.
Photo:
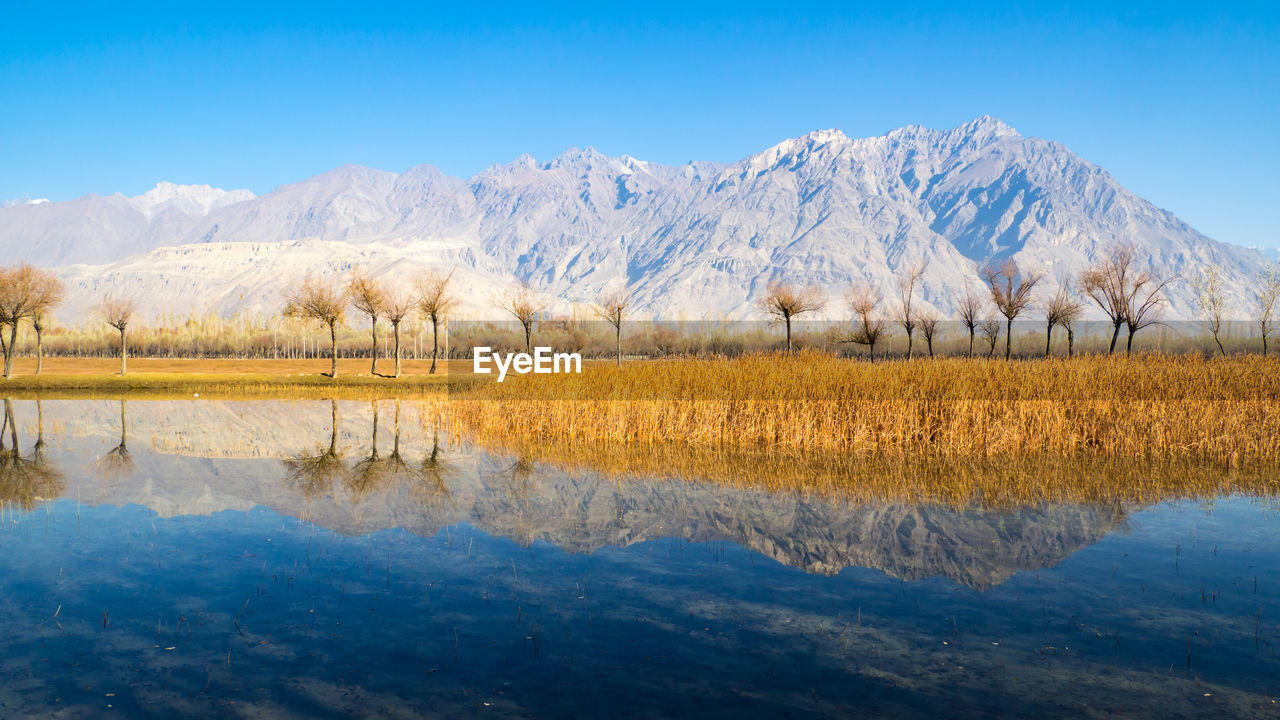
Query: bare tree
[
  {"x": 1211, "y": 302},
  {"x": 1108, "y": 282},
  {"x": 1011, "y": 294},
  {"x": 990, "y": 330},
  {"x": 324, "y": 301},
  {"x": 928, "y": 328},
  {"x": 18, "y": 291},
  {"x": 49, "y": 295},
  {"x": 782, "y": 302},
  {"x": 397, "y": 308},
  {"x": 969, "y": 309},
  {"x": 369, "y": 297},
  {"x": 1064, "y": 309},
  {"x": 613, "y": 303},
  {"x": 524, "y": 305},
  {"x": 863, "y": 301},
  {"x": 1143, "y": 305},
  {"x": 118, "y": 313},
  {"x": 436, "y": 304},
  {"x": 908, "y": 278},
  {"x": 1268, "y": 297}
]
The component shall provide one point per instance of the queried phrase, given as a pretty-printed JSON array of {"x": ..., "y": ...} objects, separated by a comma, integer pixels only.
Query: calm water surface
[{"x": 260, "y": 559}]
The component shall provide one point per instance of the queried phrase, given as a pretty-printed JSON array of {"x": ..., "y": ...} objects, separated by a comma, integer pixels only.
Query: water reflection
[
  {"x": 389, "y": 568},
  {"x": 26, "y": 480},
  {"x": 118, "y": 461},
  {"x": 348, "y": 483}
]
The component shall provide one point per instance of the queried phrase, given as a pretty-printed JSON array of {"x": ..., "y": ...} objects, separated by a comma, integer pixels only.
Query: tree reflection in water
[
  {"x": 315, "y": 474},
  {"x": 26, "y": 481},
  {"x": 118, "y": 462}
]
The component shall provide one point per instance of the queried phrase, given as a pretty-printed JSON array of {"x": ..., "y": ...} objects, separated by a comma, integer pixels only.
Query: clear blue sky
[{"x": 1180, "y": 102}]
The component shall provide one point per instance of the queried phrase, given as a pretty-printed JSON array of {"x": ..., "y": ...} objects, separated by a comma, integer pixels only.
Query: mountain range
[{"x": 701, "y": 240}]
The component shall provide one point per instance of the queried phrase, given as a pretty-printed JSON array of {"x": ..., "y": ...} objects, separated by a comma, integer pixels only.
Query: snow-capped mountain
[
  {"x": 698, "y": 240},
  {"x": 97, "y": 228}
]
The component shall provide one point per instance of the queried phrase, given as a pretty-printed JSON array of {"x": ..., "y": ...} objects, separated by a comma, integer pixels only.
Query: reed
[{"x": 1150, "y": 406}]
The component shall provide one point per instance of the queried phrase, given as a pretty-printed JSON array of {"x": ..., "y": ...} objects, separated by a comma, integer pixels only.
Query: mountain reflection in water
[
  {"x": 434, "y": 556},
  {"x": 357, "y": 467}
]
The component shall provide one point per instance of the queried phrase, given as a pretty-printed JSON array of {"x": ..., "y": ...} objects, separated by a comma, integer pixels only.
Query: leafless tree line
[
  {"x": 1130, "y": 297},
  {"x": 326, "y": 301}
]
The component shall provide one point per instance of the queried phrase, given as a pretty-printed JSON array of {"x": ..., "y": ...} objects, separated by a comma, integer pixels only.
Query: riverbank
[
  {"x": 70, "y": 377},
  {"x": 1223, "y": 410}
]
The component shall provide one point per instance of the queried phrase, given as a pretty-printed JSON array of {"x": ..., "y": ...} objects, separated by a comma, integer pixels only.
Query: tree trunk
[
  {"x": 40, "y": 350},
  {"x": 909, "y": 342},
  {"x": 970, "y": 342},
  {"x": 1128, "y": 345},
  {"x": 4, "y": 350},
  {"x": 788, "y": 321},
  {"x": 929, "y": 341},
  {"x": 528, "y": 337},
  {"x": 871, "y": 351},
  {"x": 395, "y": 329},
  {"x": 1264, "y": 342},
  {"x": 1071, "y": 339},
  {"x": 124, "y": 353},
  {"x": 10, "y": 349},
  {"x": 374, "y": 370},
  {"x": 435, "y": 343},
  {"x": 1048, "y": 339},
  {"x": 1115, "y": 335},
  {"x": 333, "y": 353},
  {"x": 1008, "y": 337},
  {"x": 1219, "y": 343},
  {"x": 619, "y": 341}
]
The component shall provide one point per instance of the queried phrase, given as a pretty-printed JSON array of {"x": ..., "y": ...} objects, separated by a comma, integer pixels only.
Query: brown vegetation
[
  {"x": 1174, "y": 407},
  {"x": 1011, "y": 294},
  {"x": 613, "y": 304},
  {"x": 524, "y": 305},
  {"x": 118, "y": 313},
  {"x": 325, "y": 302},
  {"x": 435, "y": 303},
  {"x": 783, "y": 302}
]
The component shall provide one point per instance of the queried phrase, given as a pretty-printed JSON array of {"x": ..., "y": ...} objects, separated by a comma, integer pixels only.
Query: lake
[{"x": 275, "y": 558}]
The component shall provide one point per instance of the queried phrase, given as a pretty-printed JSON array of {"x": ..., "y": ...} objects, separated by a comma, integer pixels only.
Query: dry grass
[{"x": 1224, "y": 411}]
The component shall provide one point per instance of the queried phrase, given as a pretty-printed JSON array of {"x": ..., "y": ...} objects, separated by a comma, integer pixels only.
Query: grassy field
[
  {"x": 226, "y": 378},
  {"x": 1223, "y": 410}
]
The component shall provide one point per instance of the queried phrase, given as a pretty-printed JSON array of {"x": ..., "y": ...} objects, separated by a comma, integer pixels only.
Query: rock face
[
  {"x": 697, "y": 241},
  {"x": 188, "y": 458}
]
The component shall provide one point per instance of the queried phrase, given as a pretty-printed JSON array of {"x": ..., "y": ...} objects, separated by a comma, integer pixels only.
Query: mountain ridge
[{"x": 695, "y": 240}]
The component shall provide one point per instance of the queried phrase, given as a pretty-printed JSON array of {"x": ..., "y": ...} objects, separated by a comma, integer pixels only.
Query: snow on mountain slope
[
  {"x": 96, "y": 228},
  {"x": 186, "y": 200},
  {"x": 699, "y": 240}
]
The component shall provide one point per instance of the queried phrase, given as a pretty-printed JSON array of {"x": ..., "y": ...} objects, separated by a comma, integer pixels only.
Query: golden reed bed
[{"x": 1166, "y": 407}]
